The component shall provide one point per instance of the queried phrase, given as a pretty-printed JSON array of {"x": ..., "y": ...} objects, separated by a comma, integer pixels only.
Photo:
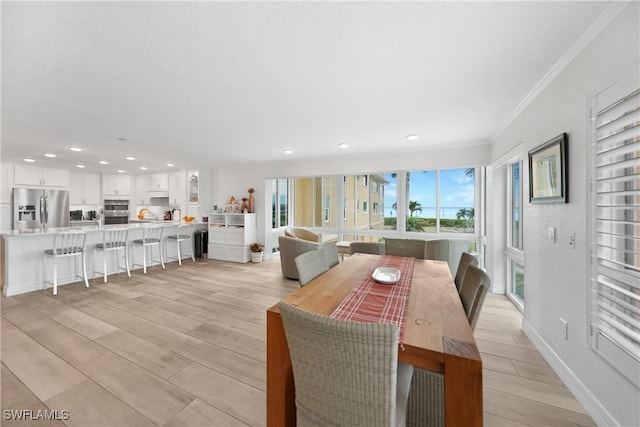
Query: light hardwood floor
[{"x": 186, "y": 347}]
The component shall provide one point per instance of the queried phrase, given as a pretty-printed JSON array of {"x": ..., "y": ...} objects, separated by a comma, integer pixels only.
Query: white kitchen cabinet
[
  {"x": 116, "y": 185},
  {"x": 159, "y": 182},
  {"x": 84, "y": 189},
  {"x": 177, "y": 188},
  {"x": 230, "y": 236},
  {"x": 142, "y": 190},
  {"x": 39, "y": 176}
]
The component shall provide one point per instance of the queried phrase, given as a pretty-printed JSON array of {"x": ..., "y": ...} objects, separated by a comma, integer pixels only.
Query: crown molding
[{"x": 583, "y": 41}]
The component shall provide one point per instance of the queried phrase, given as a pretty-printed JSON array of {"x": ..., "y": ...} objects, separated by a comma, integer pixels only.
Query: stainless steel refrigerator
[{"x": 37, "y": 208}]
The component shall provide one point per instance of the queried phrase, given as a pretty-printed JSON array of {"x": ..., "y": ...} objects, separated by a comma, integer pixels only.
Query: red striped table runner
[{"x": 370, "y": 301}]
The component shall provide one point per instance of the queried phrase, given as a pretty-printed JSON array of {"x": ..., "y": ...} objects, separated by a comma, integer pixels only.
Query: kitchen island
[{"x": 23, "y": 253}]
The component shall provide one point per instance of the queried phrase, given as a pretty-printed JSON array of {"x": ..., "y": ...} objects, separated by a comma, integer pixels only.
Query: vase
[
  {"x": 250, "y": 203},
  {"x": 256, "y": 256}
]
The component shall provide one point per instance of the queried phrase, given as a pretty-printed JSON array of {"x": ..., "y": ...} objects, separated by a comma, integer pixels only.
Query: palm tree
[
  {"x": 466, "y": 214},
  {"x": 414, "y": 207}
]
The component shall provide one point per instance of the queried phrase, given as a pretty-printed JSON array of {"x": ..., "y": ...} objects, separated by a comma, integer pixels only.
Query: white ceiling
[{"x": 202, "y": 84}]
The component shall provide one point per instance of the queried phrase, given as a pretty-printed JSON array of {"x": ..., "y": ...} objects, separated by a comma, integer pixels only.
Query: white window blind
[{"x": 615, "y": 225}]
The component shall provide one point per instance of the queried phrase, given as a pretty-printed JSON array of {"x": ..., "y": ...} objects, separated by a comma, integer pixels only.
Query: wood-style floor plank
[{"x": 186, "y": 346}]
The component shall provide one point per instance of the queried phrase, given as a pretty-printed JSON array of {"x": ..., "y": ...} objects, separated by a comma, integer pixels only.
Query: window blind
[{"x": 615, "y": 239}]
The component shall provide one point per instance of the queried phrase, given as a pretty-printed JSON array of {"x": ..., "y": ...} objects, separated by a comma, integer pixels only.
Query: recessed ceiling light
[
  {"x": 120, "y": 171},
  {"x": 288, "y": 151},
  {"x": 130, "y": 158},
  {"x": 80, "y": 166},
  {"x": 144, "y": 168},
  {"x": 343, "y": 145},
  {"x": 75, "y": 148},
  {"x": 49, "y": 155},
  {"x": 29, "y": 160},
  {"x": 170, "y": 165},
  {"x": 412, "y": 137},
  {"x": 103, "y": 162}
]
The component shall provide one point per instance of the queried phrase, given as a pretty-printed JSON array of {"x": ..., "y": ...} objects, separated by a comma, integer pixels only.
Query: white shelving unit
[{"x": 230, "y": 236}]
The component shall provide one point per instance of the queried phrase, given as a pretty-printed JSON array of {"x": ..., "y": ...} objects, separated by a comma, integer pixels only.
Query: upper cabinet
[
  {"x": 177, "y": 188},
  {"x": 41, "y": 177},
  {"x": 116, "y": 185},
  {"x": 194, "y": 188},
  {"x": 142, "y": 189},
  {"x": 84, "y": 189},
  {"x": 159, "y": 182}
]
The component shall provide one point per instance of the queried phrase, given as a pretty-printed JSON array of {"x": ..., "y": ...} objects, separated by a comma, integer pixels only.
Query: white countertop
[{"x": 90, "y": 228}]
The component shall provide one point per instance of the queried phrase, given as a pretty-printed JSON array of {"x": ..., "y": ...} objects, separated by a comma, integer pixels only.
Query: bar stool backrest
[
  {"x": 69, "y": 243},
  {"x": 112, "y": 239},
  {"x": 151, "y": 235},
  {"x": 185, "y": 231}
]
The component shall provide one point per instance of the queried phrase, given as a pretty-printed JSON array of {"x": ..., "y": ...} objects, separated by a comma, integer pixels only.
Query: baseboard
[{"x": 594, "y": 408}]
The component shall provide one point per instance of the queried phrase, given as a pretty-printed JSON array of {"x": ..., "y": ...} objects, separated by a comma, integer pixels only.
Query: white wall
[
  {"x": 235, "y": 181},
  {"x": 556, "y": 282}
]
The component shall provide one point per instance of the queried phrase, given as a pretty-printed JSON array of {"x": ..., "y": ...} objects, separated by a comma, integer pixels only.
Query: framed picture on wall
[{"x": 548, "y": 171}]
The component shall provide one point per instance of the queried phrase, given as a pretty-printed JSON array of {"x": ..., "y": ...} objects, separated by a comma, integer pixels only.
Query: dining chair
[
  {"x": 330, "y": 251},
  {"x": 69, "y": 244},
  {"x": 345, "y": 373},
  {"x": 425, "y": 405},
  {"x": 113, "y": 241},
  {"x": 310, "y": 265},
  {"x": 151, "y": 237},
  {"x": 184, "y": 233},
  {"x": 437, "y": 249},
  {"x": 466, "y": 259},
  {"x": 474, "y": 289},
  {"x": 376, "y": 248},
  {"x": 416, "y": 248}
]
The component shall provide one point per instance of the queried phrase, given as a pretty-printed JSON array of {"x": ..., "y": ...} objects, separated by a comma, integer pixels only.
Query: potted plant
[{"x": 257, "y": 251}]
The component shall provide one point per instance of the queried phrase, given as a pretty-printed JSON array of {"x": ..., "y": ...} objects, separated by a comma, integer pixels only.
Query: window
[
  {"x": 315, "y": 199},
  {"x": 327, "y": 208},
  {"x": 514, "y": 254},
  {"x": 375, "y": 208},
  {"x": 375, "y": 186},
  {"x": 615, "y": 225},
  {"x": 365, "y": 208},
  {"x": 279, "y": 203},
  {"x": 365, "y": 180},
  {"x": 441, "y": 201}
]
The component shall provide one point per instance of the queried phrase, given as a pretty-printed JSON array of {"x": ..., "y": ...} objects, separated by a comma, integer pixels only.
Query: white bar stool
[
  {"x": 184, "y": 234},
  {"x": 151, "y": 236},
  {"x": 66, "y": 245},
  {"x": 112, "y": 241}
]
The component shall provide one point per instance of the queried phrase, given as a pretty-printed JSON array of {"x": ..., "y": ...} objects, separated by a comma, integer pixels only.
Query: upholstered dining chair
[
  {"x": 474, "y": 289},
  {"x": 345, "y": 373},
  {"x": 376, "y": 248},
  {"x": 70, "y": 244},
  {"x": 113, "y": 241},
  {"x": 416, "y": 248},
  {"x": 466, "y": 259},
  {"x": 330, "y": 253},
  {"x": 310, "y": 265}
]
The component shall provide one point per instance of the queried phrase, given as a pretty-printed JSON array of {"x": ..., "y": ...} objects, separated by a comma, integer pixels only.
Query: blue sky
[{"x": 456, "y": 192}]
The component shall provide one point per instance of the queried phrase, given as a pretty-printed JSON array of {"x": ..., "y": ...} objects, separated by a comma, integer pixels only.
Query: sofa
[
  {"x": 290, "y": 248},
  {"x": 303, "y": 233}
]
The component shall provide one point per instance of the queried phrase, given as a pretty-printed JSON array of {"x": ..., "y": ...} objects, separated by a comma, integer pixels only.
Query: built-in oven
[{"x": 116, "y": 212}]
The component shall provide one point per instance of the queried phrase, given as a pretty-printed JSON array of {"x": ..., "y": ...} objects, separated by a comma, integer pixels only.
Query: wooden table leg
[
  {"x": 462, "y": 384},
  {"x": 281, "y": 405}
]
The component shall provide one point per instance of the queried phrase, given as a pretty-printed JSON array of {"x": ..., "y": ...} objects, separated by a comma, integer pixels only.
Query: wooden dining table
[{"x": 437, "y": 337}]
